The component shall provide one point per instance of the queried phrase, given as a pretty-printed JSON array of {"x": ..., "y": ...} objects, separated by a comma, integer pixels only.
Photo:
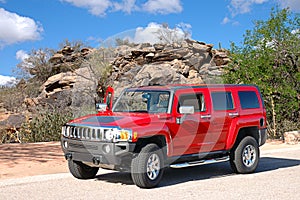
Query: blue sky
[{"x": 35, "y": 24}]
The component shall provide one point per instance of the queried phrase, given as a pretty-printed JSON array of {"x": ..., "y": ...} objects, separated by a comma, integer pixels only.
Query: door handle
[
  {"x": 205, "y": 116},
  {"x": 235, "y": 114}
]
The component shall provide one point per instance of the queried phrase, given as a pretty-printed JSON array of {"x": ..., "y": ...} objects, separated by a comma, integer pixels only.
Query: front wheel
[
  {"x": 82, "y": 171},
  {"x": 245, "y": 157},
  {"x": 147, "y": 167}
]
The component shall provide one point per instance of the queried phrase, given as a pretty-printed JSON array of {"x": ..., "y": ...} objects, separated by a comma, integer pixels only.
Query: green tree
[{"x": 269, "y": 58}]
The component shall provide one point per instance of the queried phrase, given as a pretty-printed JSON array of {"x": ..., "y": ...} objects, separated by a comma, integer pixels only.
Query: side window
[
  {"x": 248, "y": 99},
  {"x": 222, "y": 100},
  {"x": 196, "y": 100}
]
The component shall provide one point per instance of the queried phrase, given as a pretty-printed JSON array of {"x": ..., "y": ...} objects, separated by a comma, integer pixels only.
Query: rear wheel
[
  {"x": 82, "y": 171},
  {"x": 147, "y": 167},
  {"x": 245, "y": 157}
]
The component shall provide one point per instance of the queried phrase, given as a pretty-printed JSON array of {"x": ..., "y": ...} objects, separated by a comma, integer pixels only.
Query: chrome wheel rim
[
  {"x": 249, "y": 155},
  {"x": 153, "y": 166}
]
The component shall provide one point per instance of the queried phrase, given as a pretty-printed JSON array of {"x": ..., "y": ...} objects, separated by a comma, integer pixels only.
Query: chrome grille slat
[{"x": 85, "y": 133}]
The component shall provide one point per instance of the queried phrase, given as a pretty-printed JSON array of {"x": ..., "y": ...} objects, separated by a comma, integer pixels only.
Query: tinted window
[
  {"x": 248, "y": 99},
  {"x": 196, "y": 100},
  {"x": 222, "y": 100}
]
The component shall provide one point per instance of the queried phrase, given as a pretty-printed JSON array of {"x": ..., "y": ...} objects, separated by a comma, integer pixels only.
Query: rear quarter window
[{"x": 248, "y": 99}]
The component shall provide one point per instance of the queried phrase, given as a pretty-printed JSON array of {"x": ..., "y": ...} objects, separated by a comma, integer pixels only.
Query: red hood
[{"x": 122, "y": 120}]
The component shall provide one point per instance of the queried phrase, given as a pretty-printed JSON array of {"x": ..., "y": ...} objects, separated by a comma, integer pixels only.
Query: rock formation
[
  {"x": 189, "y": 61},
  {"x": 76, "y": 86}
]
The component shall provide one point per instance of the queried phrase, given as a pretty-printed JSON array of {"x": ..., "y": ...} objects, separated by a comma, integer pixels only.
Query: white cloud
[
  {"x": 294, "y": 5},
  {"x": 7, "y": 80},
  {"x": 95, "y": 7},
  {"x": 126, "y": 6},
  {"x": 15, "y": 28},
  {"x": 163, "y": 6},
  {"x": 226, "y": 20},
  {"x": 147, "y": 34},
  {"x": 21, "y": 55},
  {"x": 243, "y": 6},
  {"x": 150, "y": 33},
  {"x": 100, "y": 8}
]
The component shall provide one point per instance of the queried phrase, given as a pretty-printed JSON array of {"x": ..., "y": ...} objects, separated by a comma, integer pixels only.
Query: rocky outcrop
[
  {"x": 67, "y": 89},
  {"x": 68, "y": 54},
  {"x": 188, "y": 62},
  {"x": 68, "y": 58}
]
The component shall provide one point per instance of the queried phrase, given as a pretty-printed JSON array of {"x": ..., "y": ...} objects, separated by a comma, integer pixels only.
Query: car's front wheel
[
  {"x": 82, "y": 171},
  {"x": 147, "y": 166},
  {"x": 244, "y": 157}
]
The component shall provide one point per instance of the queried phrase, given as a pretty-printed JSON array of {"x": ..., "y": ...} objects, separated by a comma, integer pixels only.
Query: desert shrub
[
  {"x": 8, "y": 136},
  {"x": 44, "y": 127}
]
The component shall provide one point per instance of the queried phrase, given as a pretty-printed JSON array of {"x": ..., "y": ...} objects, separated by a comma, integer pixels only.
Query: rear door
[{"x": 224, "y": 111}]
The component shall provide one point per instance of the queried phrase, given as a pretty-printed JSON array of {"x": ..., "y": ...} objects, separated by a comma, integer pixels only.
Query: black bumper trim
[{"x": 96, "y": 152}]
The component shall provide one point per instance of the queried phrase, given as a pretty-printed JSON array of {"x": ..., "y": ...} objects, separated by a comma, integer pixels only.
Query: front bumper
[{"x": 96, "y": 152}]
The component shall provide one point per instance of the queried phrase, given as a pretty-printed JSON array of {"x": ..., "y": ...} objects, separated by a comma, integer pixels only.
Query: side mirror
[
  {"x": 186, "y": 110},
  {"x": 101, "y": 107}
]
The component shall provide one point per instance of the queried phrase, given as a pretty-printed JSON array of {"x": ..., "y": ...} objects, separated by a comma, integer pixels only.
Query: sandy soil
[{"x": 21, "y": 160}]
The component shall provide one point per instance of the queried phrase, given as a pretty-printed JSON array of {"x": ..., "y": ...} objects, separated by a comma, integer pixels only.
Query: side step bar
[{"x": 199, "y": 162}]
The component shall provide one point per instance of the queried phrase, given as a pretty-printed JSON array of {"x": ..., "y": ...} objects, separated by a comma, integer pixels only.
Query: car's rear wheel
[
  {"x": 82, "y": 171},
  {"x": 147, "y": 166},
  {"x": 244, "y": 157}
]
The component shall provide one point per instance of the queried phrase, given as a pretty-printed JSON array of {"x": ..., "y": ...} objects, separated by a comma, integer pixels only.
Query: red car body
[{"x": 194, "y": 122}]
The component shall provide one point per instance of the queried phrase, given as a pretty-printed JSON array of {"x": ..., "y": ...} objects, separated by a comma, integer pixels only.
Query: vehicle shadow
[{"x": 202, "y": 172}]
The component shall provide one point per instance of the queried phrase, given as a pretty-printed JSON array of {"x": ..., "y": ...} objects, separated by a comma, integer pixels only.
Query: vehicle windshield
[{"x": 143, "y": 101}]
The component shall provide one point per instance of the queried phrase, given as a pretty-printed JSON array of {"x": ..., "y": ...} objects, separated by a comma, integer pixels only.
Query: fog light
[{"x": 106, "y": 148}]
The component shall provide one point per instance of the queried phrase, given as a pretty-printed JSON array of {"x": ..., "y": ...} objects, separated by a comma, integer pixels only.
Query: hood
[{"x": 122, "y": 120}]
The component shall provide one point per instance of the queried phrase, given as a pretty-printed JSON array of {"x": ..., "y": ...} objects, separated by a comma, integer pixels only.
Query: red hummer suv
[{"x": 150, "y": 128}]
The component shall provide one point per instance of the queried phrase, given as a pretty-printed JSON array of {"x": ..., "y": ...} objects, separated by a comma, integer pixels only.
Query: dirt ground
[{"x": 21, "y": 160}]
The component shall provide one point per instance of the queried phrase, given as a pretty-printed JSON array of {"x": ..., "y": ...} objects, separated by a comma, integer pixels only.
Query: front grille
[{"x": 85, "y": 132}]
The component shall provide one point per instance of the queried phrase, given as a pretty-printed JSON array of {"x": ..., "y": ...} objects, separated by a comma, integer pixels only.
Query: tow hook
[
  {"x": 68, "y": 156},
  {"x": 96, "y": 160}
]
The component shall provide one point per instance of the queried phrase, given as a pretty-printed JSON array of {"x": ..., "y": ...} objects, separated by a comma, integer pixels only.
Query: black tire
[
  {"x": 244, "y": 157},
  {"x": 82, "y": 171},
  {"x": 148, "y": 166}
]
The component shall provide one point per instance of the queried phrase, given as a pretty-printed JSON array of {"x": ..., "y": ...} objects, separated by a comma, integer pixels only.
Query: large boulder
[{"x": 68, "y": 89}]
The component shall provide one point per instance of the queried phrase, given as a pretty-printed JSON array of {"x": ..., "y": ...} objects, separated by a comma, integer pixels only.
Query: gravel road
[{"x": 277, "y": 177}]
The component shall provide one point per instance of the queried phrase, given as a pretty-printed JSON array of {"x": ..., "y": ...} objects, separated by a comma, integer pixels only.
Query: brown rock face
[
  {"x": 143, "y": 64},
  {"x": 188, "y": 62}
]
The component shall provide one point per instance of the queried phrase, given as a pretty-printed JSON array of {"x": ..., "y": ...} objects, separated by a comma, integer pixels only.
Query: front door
[{"x": 189, "y": 130}]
